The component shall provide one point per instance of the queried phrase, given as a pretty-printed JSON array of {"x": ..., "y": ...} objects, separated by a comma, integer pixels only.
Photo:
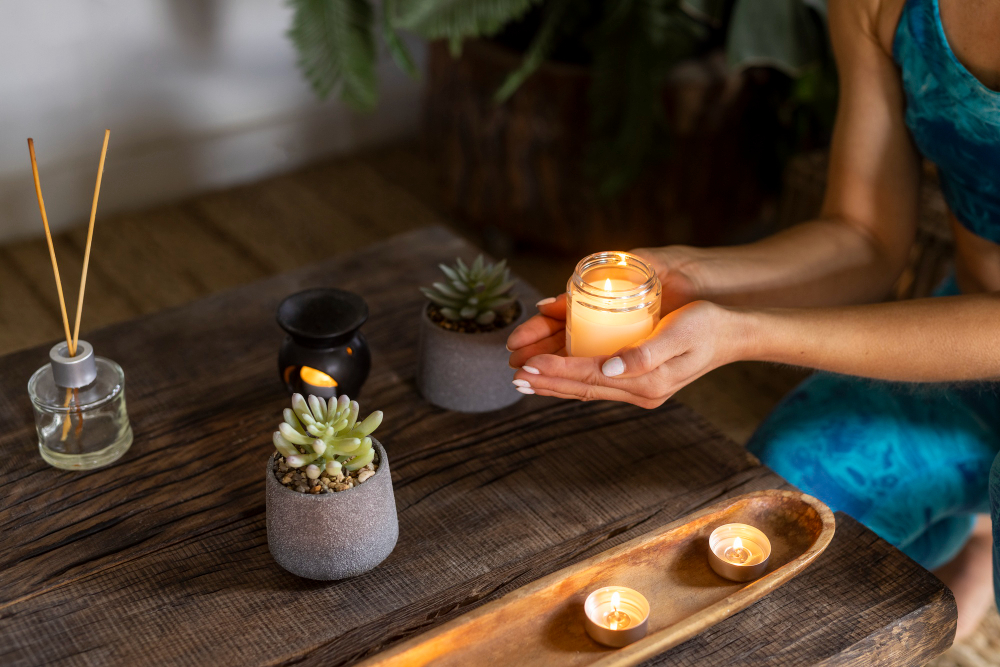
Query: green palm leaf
[
  {"x": 456, "y": 19},
  {"x": 397, "y": 49},
  {"x": 636, "y": 46},
  {"x": 336, "y": 47},
  {"x": 541, "y": 46}
]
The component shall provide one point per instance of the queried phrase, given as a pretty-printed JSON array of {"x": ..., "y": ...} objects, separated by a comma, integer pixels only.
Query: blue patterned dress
[{"x": 912, "y": 462}]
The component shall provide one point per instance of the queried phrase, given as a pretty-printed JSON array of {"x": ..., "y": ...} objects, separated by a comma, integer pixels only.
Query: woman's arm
[
  {"x": 859, "y": 245},
  {"x": 928, "y": 340},
  {"x": 924, "y": 340}
]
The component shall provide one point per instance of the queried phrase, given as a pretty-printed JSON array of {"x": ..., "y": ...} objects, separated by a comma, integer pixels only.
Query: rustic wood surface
[
  {"x": 162, "y": 558},
  {"x": 669, "y": 567}
]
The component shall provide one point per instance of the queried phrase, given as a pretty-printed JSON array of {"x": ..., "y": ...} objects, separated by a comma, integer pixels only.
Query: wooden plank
[
  {"x": 409, "y": 168},
  {"x": 149, "y": 275},
  {"x": 272, "y": 236},
  {"x": 362, "y": 193},
  {"x": 162, "y": 557},
  {"x": 26, "y": 316}
]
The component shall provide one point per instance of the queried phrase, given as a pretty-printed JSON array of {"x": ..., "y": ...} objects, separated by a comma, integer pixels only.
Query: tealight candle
[
  {"x": 738, "y": 552},
  {"x": 612, "y": 300},
  {"x": 616, "y": 616}
]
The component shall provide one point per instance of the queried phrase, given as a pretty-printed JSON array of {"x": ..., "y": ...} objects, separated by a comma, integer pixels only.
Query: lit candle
[
  {"x": 738, "y": 552},
  {"x": 616, "y": 616},
  {"x": 613, "y": 300}
]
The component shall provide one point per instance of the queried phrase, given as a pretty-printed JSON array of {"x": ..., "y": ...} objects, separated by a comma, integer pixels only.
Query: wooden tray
[{"x": 542, "y": 623}]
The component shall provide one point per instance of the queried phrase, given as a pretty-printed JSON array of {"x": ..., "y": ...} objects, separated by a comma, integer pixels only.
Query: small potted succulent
[
  {"x": 462, "y": 364},
  {"x": 331, "y": 513}
]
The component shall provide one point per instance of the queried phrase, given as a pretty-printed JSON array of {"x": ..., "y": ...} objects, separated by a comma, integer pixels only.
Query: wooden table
[{"x": 162, "y": 558}]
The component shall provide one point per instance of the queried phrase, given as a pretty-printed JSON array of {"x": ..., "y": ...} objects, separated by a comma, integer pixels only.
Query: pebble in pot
[
  {"x": 331, "y": 513},
  {"x": 462, "y": 362}
]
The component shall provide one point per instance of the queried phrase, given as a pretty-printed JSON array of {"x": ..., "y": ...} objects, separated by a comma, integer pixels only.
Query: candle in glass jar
[{"x": 613, "y": 300}]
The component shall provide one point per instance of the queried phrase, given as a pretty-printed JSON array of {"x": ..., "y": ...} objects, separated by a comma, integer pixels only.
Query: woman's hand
[
  {"x": 676, "y": 267},
  {"x": 545, "y": 333},
  {"x": 686, "y": 344}
]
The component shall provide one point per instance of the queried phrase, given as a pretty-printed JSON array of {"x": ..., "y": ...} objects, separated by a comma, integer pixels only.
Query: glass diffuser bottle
[
  {"x": 79, "y": 404},
  {"x": 612, "y": 300}
]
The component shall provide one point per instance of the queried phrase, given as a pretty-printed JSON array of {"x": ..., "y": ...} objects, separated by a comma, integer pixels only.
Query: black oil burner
[{"x": 325, "y": 354}]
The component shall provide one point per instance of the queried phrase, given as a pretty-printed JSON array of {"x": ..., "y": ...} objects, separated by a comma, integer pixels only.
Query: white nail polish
[
  {"x": 522, "y": 383},
  {"x": 526, "y": 390},
  {"x": 531, "y": 369},
  {"x": 613, "y": 366},
  {"x": 545, "y": 302}
]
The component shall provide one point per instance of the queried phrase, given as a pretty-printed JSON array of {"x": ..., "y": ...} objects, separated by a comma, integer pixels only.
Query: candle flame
[
  {"x": 737, "y": 544},
  {"x": 316, "y": 378},
  {"x": 608, "y": 288}
]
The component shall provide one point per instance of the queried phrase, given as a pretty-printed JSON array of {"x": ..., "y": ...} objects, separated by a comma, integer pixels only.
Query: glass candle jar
[
  {"x": 612, "y": 300},
  {"x": 79, "y": 404}
]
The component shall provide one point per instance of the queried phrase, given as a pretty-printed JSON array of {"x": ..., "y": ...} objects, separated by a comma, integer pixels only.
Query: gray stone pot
[
  {"x": 332, "y": 535},
  {"x": 466, "y": 372}
]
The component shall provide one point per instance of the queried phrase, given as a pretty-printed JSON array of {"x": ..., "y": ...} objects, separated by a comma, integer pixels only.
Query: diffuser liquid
[{"x": 85, "y": 428}]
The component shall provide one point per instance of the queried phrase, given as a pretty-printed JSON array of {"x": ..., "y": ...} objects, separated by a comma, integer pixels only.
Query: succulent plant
[
  {"x": 476, "y": 292},
  {"x": 326, "y": 435}
]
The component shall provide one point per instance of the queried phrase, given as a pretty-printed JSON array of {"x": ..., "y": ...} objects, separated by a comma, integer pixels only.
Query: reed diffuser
[{"x": 78, "y": 398}]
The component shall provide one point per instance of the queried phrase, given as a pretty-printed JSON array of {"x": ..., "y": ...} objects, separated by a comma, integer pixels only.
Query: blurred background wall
[{"x": 198, "y": 94}]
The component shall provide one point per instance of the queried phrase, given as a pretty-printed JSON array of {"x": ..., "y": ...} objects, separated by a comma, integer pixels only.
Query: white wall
[{"x": 198, "y": 94}]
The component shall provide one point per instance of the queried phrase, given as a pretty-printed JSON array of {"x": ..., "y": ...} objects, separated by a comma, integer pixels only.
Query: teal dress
[{"x": 913, "y": 462}]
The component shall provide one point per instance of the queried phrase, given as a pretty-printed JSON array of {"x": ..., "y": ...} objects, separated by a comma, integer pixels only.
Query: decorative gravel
[
  {"x": 296, "y": 480},
  {"x": 504, "y": 317}
]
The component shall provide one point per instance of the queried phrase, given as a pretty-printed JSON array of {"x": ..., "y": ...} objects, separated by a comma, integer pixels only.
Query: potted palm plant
[{"x": 572, "y": 123}]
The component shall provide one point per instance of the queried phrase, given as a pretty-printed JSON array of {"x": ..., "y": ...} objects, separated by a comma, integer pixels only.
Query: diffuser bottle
[{"x": 79, "y": 404}]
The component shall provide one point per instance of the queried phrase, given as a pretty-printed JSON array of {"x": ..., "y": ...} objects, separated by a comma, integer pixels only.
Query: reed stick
[
  {"x": 90, "y": 238},
  {"x": 52, "y": 249}
]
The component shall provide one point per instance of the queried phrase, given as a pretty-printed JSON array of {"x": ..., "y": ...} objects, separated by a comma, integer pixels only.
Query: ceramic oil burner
[
  {"x": 79, "y": 404},
  {"x": 332, "y": 535},
  {"x": 325, "y": 354}
]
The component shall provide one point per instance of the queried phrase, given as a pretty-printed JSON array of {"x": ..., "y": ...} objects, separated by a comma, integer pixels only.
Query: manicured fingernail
[
  {"x": 613, "y": 366},
  {"x": 531, "y": 369},
  {"x": 526, "y": 390},
  {"x": 522, "y": 383},
  {"x": 507, "y": 347},
  {"x": 545, "y": 302}
]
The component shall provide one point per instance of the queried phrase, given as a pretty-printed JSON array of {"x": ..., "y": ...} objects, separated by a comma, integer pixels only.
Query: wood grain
[
  {"x": 542, "y": 624},
  {"x": 162, "y": 558}
]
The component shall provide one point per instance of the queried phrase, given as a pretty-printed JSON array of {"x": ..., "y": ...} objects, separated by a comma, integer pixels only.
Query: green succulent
[
  {"x": 326, "y": 435},
  {"x": 475, "y": 293}
]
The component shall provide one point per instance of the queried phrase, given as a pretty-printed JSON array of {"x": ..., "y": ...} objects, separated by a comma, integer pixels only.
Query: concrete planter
[
  {"x": 332, "y": 535},
  {"x": 466, "y": 372}
]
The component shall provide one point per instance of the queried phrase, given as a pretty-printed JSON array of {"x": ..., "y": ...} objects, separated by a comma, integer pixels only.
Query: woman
[{"x": 901, "y": 426}]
